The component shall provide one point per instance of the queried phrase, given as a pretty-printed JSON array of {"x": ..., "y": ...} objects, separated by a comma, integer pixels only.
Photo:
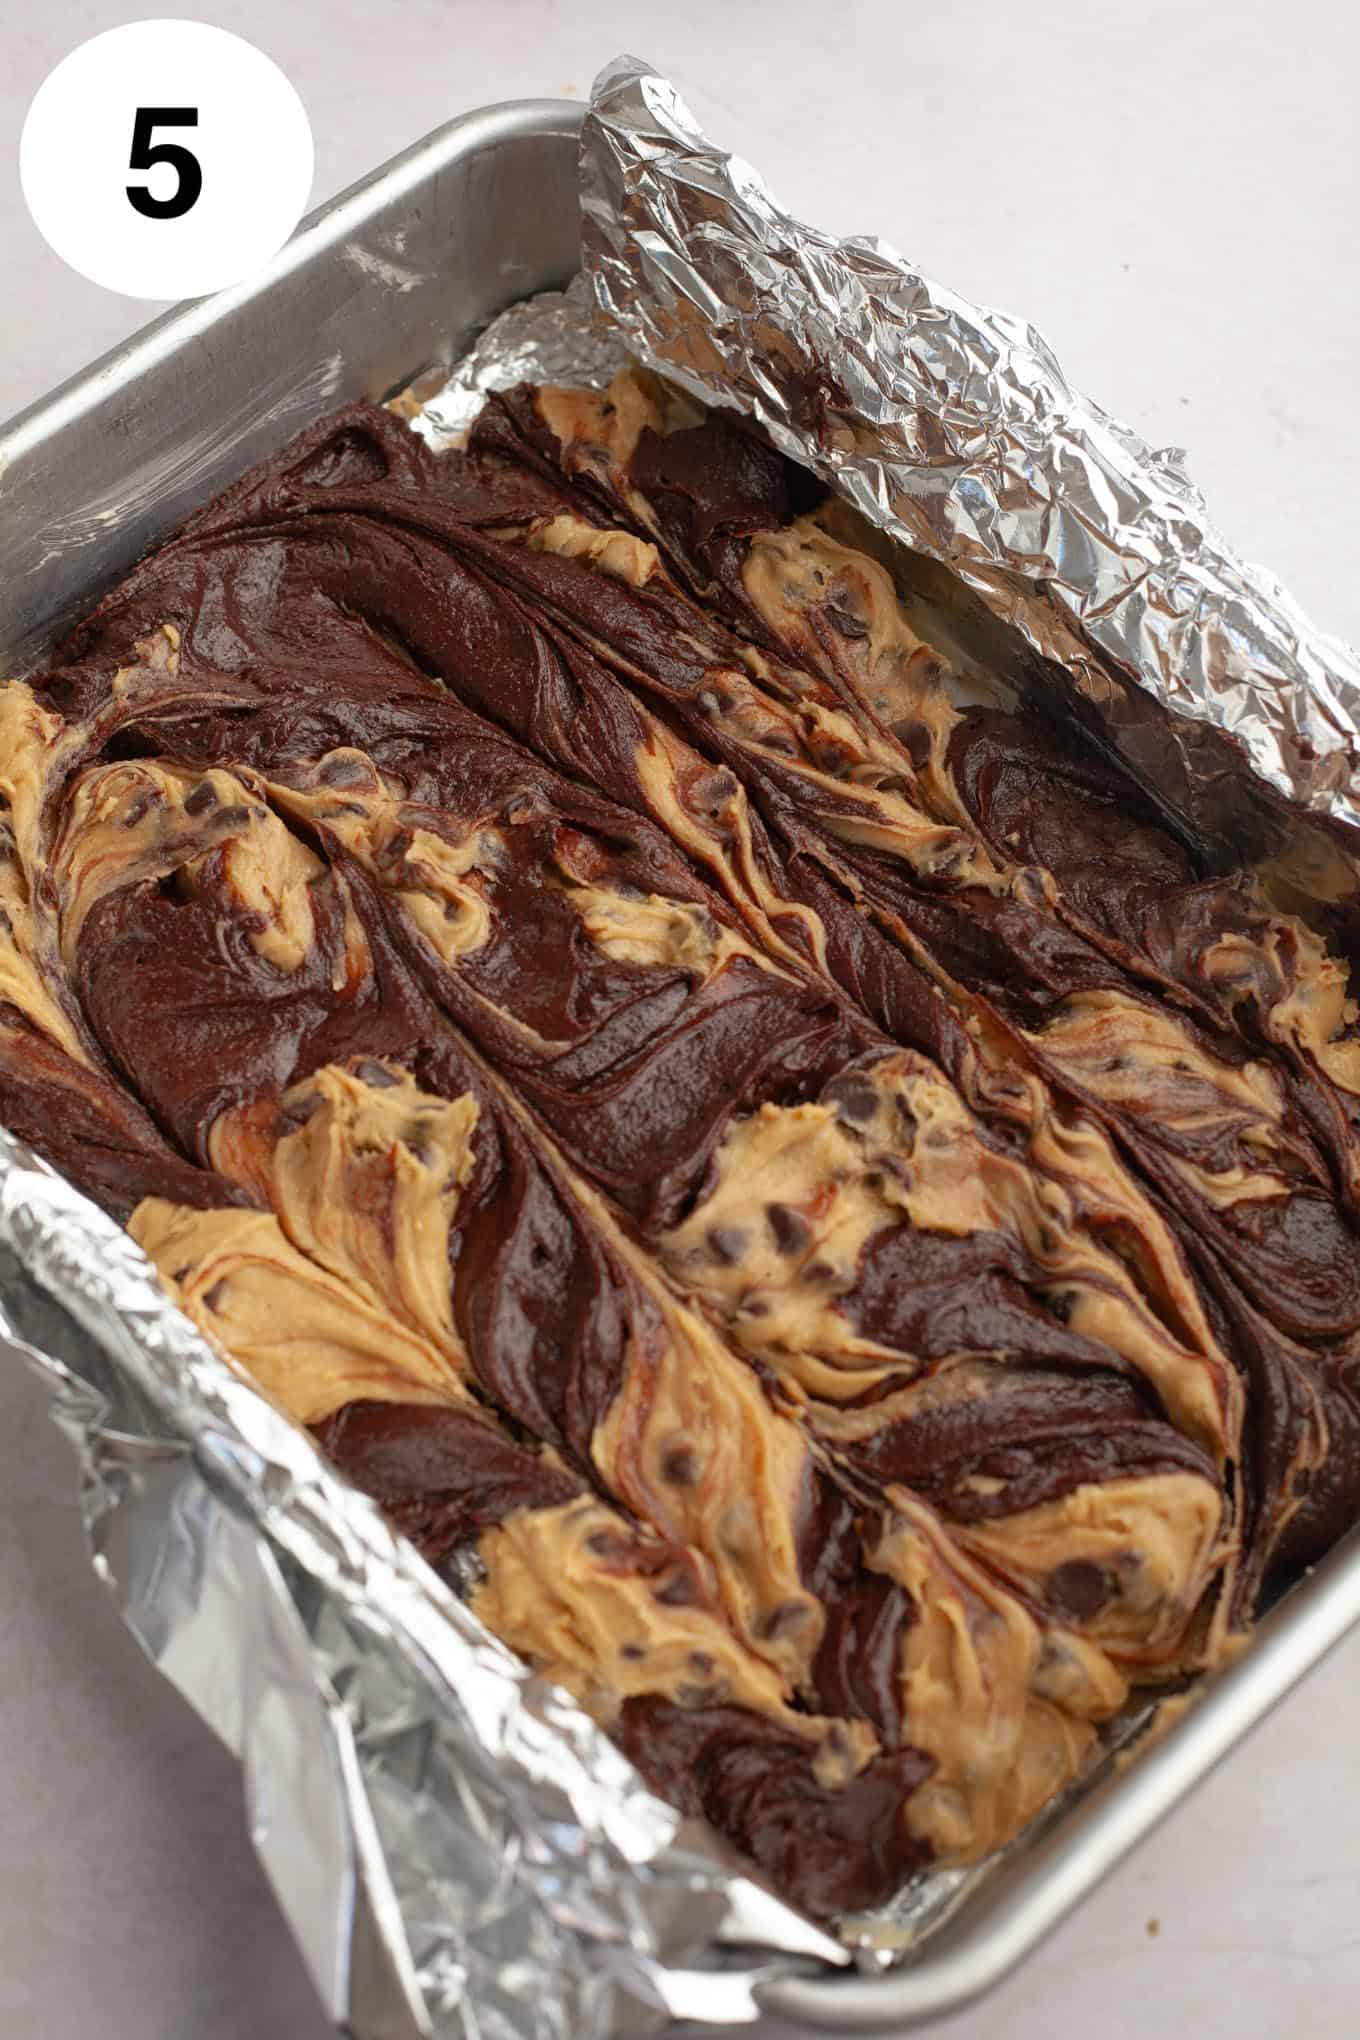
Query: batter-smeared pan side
[{"x": 808, "y": 1180}]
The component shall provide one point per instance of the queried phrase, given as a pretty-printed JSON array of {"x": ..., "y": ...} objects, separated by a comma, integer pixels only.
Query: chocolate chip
[
  {"x": 727, "y": 1243},
  {"x": 676, "y": 1592},
  {"x": 791, "y": 1230},
  {"x": 141, "y": 807},
  {"x": 820, "y": 1271},
  {"x": 338, "y": 770},
  {"x": 841, "y": 619},
  {"x": 855, "y": 1100},
  {"x": 375, "y": 1075},
  {"x": 297, "y": 1111},
  {"x": 632, "y": 1651},
  {"x": 1079, "y": 1588},
  {"x": 832, "y": 758},
  {"x": 702, "y": 1664},
  {"x": 234, "y": 817},
  {"x": 783, "y": 1620},
  {"x": 914, "y": 737},
  {"x": 680, "y": 1466},
  {"x": 715, "y": 793},
  {"x": 203, "y": 797}
]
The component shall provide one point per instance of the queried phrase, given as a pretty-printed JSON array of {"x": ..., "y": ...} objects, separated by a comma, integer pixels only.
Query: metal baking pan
[{"x": 394, "y": 277}]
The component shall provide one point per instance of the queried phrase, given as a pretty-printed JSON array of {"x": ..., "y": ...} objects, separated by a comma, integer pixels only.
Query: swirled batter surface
[{"x": 592, "y": 989}]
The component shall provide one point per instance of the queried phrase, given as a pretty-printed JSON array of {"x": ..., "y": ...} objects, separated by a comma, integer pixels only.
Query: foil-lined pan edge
[
  {"x": 458, "y": 1849},
  {"x": 954, "y": 429}
]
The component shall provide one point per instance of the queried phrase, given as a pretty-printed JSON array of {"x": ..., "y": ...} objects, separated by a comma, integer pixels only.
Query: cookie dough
[{"x": 753, "y": 1142}]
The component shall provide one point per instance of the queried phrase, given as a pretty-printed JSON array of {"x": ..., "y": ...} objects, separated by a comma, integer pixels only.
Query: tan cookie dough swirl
[{"x": 576, "y": 994}]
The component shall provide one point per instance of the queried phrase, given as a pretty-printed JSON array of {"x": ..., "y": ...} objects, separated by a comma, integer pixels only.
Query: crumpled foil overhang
[
  {"x": 458, "y": 1849},
  {"x": 954, "y": 430}
]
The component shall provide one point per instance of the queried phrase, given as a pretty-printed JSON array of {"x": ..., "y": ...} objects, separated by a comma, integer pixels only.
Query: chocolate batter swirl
[{"x": 592, "y": 984}]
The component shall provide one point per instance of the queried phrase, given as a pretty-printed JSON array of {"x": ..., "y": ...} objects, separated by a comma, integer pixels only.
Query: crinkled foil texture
[
  {"x": 551, "y": 338},
  {"x": 457, "y": 1847},
  {"x": 458, "y": 1850},
  {"x": 954, "y": 429}
]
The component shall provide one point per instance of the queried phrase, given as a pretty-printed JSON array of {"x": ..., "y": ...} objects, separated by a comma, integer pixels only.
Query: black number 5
[{"x": 145, "y": 156}]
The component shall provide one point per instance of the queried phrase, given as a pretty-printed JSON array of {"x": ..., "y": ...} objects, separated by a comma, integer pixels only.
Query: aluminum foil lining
[
  {"x": 458, "y": 1849},
  {"x": 954, "y": 429},
  {"x": 553, "y": 337}
]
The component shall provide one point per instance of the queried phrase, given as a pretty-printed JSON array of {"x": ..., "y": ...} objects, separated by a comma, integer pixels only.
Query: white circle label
[{"x": 166, "y": 159}]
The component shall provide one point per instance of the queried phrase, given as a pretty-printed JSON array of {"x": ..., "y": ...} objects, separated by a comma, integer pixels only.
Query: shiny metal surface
[
  {"x": 1040, "y": 1879},
  {"x": 395, "y": 276}
]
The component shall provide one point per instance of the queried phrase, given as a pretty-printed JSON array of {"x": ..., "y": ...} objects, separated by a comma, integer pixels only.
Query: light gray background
[{"x": 1168, "y": 191}]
